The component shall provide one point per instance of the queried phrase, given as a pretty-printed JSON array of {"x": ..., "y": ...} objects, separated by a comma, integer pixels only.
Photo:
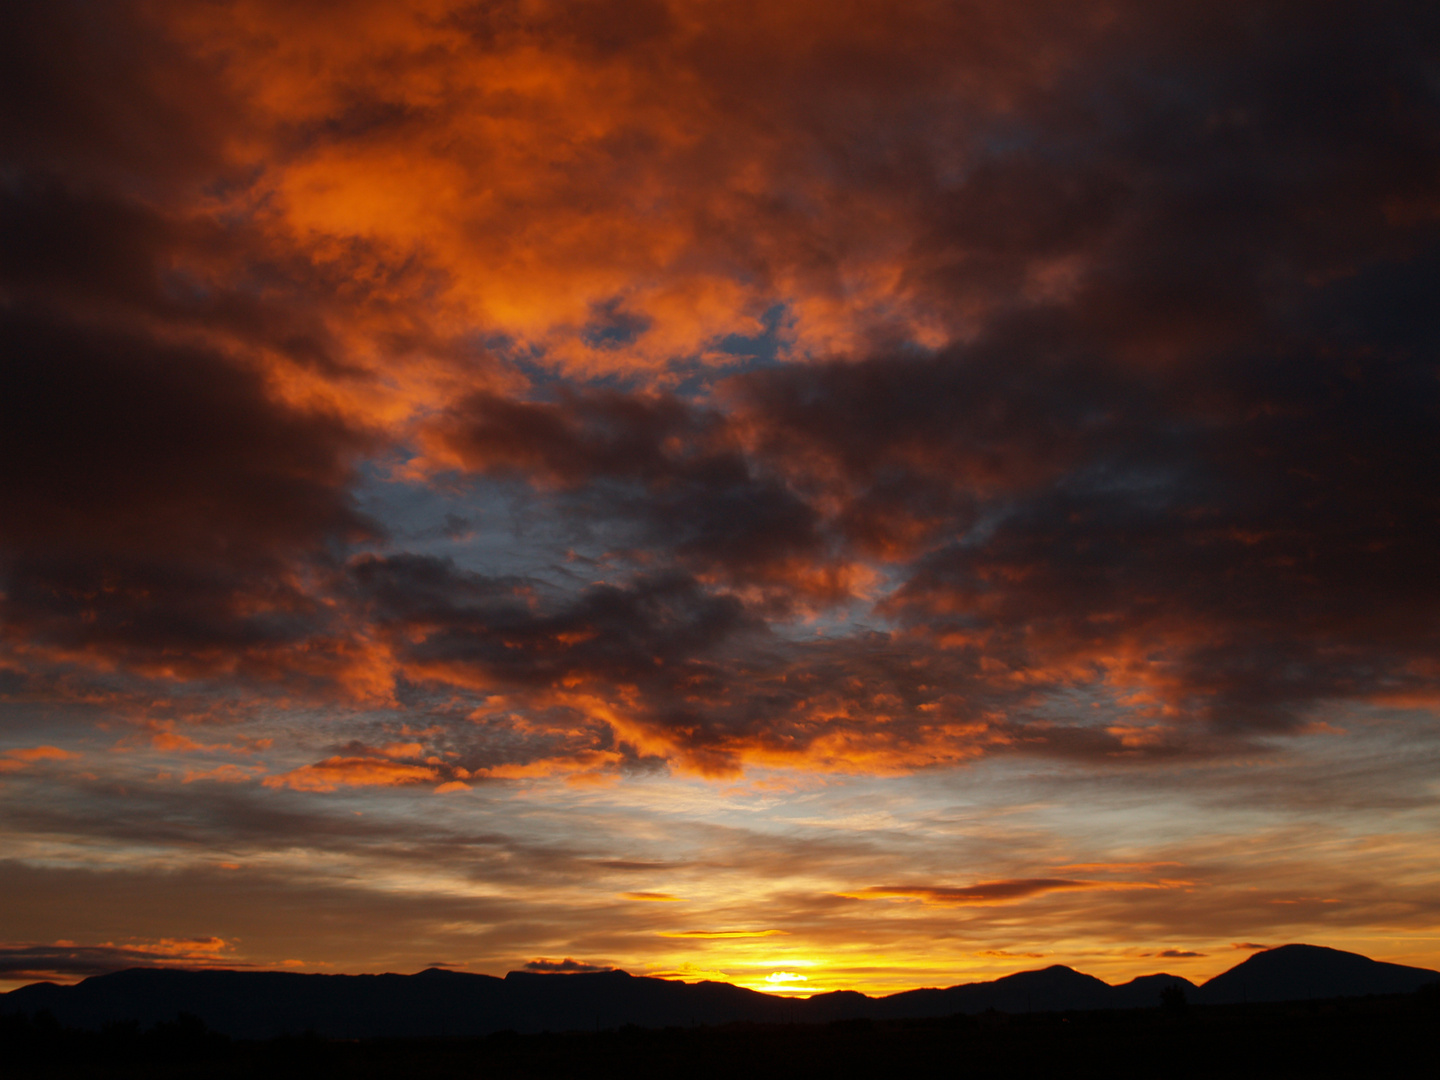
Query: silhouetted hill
[
  {"x": 1053, "y": 989},
  {"x": 263, "y": 1004},
  {"x": 1145, "y": 991},
  {"x": 1305, "y": 972}
]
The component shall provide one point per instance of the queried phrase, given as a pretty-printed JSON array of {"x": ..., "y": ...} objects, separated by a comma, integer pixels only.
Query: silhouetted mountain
[
  {"x": 1144, "y": 992},
  {"x": 839, "y": 1005},
  {"x": 1053, "y": 989},
  {"x": 1304, "y": 972},
  {"x": 262, "y": 1004}
]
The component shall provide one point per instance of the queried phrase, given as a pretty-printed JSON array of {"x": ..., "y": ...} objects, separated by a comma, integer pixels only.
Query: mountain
[
  {"x": 262, "y": 1004},
  {"x": 1145, "y": 991},
  {"x": 1053, "y": 989},
  {"x": 1303, "y": 972}
]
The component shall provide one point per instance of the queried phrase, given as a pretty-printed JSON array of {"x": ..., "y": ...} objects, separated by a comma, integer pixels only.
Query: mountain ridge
[{"x": 438, "y": 1002}]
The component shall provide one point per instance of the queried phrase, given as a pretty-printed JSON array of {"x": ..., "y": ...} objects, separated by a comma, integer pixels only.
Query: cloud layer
[{"x": 450, "y": 396}]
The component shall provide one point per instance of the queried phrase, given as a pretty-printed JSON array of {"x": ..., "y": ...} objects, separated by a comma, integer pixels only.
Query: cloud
[
  {"x": 1063, "y": 520},
  {"x": 39, "y": 753},
  {"x": 162, "y": 500},
  {"x": 645, "y": 393},
  {"x": 66, "y": 960},
  {"x": 993, "y": 892},
  {"x": 785, "y": 977},
  {"x": 678, "y": 474},
  {"x": 99, "y": 97},
  {"x": 224, "y": 774},
  {"x": 1179, "y": 954},
  {"x": 457, "y": 626},
  {"x": 690, "y": 973},
  {"x": 21, "y": 757},
  {"x": 1094, "y": 401},
  {"x": 565, "y": 967},
  {"x": 337, "y": 772},
  {"x": 673, "y": 209},
  {"x": 493, "y": 876}
]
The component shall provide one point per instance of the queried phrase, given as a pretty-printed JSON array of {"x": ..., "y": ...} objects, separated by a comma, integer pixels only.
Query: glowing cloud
[
  {"x": 337, "y": 772},
  {"x": 709, "y": 934},
  {"x": 990, "y": 892}
]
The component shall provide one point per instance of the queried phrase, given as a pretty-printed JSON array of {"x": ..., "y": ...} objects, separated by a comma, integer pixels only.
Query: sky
[{"x": 840, "y": 495}]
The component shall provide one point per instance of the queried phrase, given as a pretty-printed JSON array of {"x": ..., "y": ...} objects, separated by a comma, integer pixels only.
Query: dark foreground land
[{"x": 1397, "y": 1035}]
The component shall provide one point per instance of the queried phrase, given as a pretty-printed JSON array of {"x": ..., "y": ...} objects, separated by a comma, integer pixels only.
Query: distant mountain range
[{"x": 262, "y": 1004}]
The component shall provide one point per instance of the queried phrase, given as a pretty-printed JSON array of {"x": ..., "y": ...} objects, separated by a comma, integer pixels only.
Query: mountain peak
[{"x": 1301, "y": 972}]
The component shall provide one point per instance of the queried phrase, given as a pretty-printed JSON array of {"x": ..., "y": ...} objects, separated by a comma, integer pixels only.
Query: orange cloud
[
  {"x": 991, "y": 892},
  {"x": 164, "y": 736},
  {"x": 186, "y": 948},
  {"x": 223, "y": 774},
  {"x": 22, "y": 757},
  {"x": 335, "y": 772},
  {"x": 553, "y": 186}
]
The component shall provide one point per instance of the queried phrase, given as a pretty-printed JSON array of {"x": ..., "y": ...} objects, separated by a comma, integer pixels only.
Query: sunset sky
[{"x": 813, "y": 494}]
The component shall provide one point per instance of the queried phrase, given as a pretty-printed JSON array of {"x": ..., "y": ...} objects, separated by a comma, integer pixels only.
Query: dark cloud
[
  {"x": 1184, "y": 458},
  {"x": 1181, "y": 457},
  {"x": 108, "y": 96},
  {"x": 990, "y": 892},
  {"x": 441, "y": 615},
  {"x": 1239, "y": 541},
  {"x": 564, "y": 967},
  {"x": 1211, "y": 451},
  {"x": 157, "y": 500},
  {"x": 67, "y": 961},
  {"x": 159, "y": 503},
  {"x": 675, "y": 472}
]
